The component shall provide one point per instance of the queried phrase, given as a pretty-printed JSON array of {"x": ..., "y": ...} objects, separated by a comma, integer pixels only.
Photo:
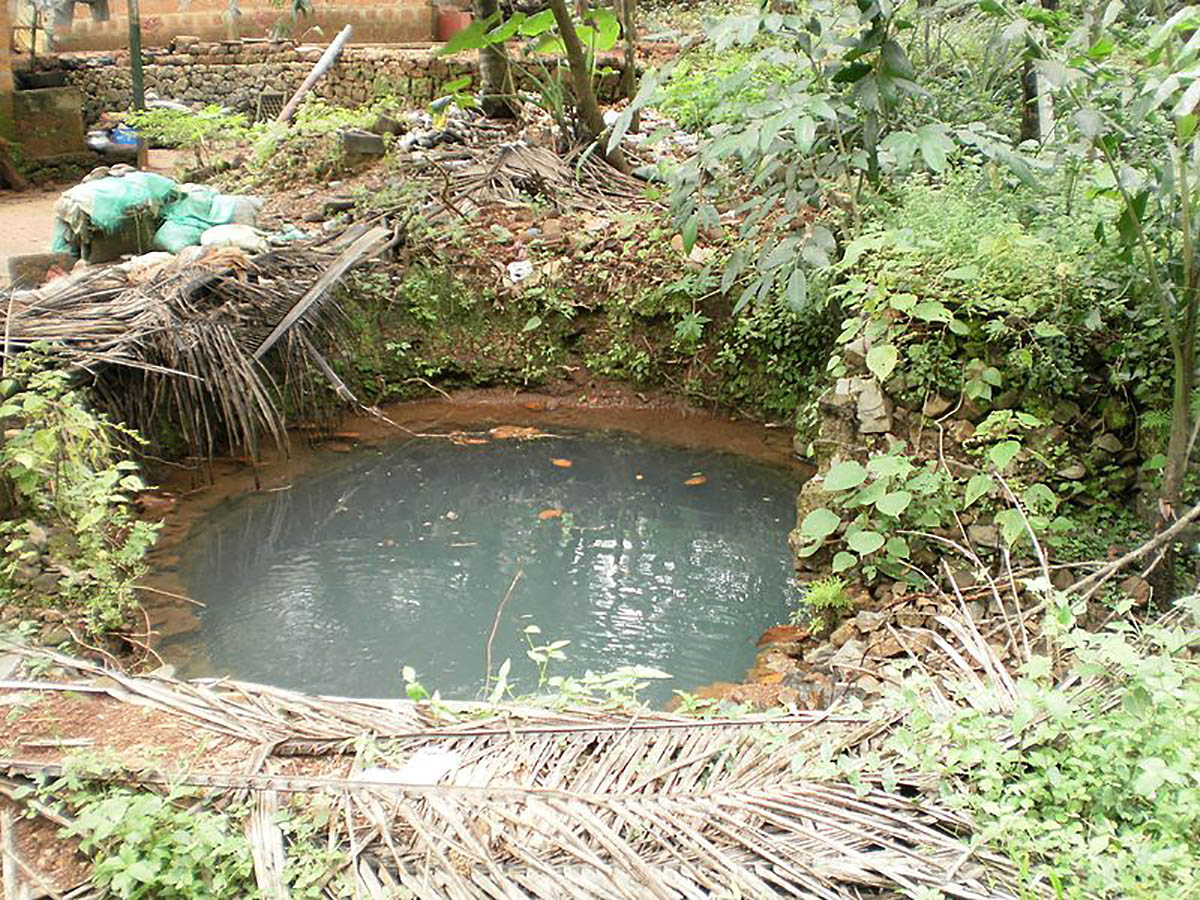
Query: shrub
[
  {"x": 72, "y": 493},
  {"x": 1097, "y": 792}
]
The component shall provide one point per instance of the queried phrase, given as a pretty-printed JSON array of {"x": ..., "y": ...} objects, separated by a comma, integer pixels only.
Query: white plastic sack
[{"x": 242, "y": 236}]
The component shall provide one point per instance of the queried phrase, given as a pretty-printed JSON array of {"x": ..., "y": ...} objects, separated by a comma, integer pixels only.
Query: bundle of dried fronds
[
  {"x": 465, "y": 801},
  {"x": 215, "y": 351},
  {"x": 517, "y": 172}
]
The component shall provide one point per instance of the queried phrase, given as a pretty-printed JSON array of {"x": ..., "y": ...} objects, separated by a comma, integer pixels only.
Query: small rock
[
  {"x": 362, "y": 143},
  {"x": 984, "y": 535},
  {"x": 45, "y": 583},
  {"x": 935, "y": 406},
  {"x": 910, "y": 619},
  {"x": 867, "y": 621},
  {"x": 37, "y": 536},
  {"x": 850, "y": 653},
  {"x": 843, "y": 633},
  {"x": 53, "y": 635},
  {"x": 1066, "y": 411},
  {"x": 1062, "y": 579},
  {"x": 962, "y": 578},
  {"x": 1108, "y": 442},
  {"x": 874, "y": 410},
  {"x": 856, "y": 351},
  {"x": 975, "y": 610},
  {"x": 1138, "y": 588},
  {"x": 820, "y": 655},
  {"x": 1073, "y": 472}
]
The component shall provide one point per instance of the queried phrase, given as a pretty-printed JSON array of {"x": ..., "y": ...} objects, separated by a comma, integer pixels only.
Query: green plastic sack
[
  {"x": 113, "y": 200},
  {"x": 174, "y": 235},
  {"x": 195, "y": 211}
]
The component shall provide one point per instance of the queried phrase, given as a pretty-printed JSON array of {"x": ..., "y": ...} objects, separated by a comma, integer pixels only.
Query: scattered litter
[
  {"x": 562, "y": 463},
  {"x": 241, "y": 236},
  {"x": 550, "y": 514},
  {"x": 696, "y": 479},
  {"x": 427, "y": 766},
  {"x": 520, "y": 270}
]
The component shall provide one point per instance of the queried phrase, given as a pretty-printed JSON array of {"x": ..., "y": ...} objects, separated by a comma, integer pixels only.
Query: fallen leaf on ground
[
  {"x": 562, "y": 463},
  {"x": 696, "y": 479},
  {"x": 550, "y": 514}
]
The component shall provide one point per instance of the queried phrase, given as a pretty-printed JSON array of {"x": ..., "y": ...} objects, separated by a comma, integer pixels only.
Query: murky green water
[{"x": 402, "y": 556}]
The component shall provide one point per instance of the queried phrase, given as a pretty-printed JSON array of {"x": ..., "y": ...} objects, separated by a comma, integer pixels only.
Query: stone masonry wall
[{"x": 234, "y": 74}]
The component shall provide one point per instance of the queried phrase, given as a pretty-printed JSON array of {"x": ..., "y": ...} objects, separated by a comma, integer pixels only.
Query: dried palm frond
[
  {"x": 512, "y": 173},
  {"x": 216, "y": 350},
  {"x": 575, "y": 802}
]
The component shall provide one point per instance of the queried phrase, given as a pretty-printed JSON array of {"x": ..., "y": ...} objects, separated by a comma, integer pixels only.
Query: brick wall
[
  {"x": 390, "y": 21},
  {"x": 6, "y": 77}
]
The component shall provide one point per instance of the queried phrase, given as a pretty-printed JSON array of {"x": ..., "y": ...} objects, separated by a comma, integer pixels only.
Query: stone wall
[
  {"x": 389, "y": 21},
  {"x": 235, "y": 74}
]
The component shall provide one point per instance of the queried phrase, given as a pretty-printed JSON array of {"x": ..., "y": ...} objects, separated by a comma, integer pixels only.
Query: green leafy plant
[
  {"x": 874, "y": 508},
  {"x": 821, "y": 602},
  {"x": 1096, "y": 793},
  {"x": 73, "y": 493},
  {"x": 150, "y": 846},
  {"x": 203, "y": 131}
]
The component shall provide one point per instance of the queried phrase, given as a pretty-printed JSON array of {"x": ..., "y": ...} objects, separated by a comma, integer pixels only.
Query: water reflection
[{"x": 402, "y": 556}]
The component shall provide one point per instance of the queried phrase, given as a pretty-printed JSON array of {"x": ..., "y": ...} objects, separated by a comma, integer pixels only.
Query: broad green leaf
[
  {"x": 505, "y": 30},
  {"x": 453, "y": 87},
  {"x": 865, "y": 542},
  {"x": 1011, "y": 525},
  {"x": 607, "y": 28},
  {"x": 978, "y": 486},
  {"x": 689, "y": 232},
  {"x": 932, "y": 311},
  {"x": 819, "y": 524},
  {"x": 797, "y": 290},
  {"x": 843, "y": 561},
  {"x": 894, "y": 504},
  {"x": 535, "y": 25},
  {"x": 532, "y": 322},
  {"x": 935, "y": 145},
  {"x": 882, "y": 359},
  {"x": 1040, "y": 498},
  {"x": 968, "y": 272},
  {"x": 845, "y": 475},
  {"x": 473, "y": 37},
  {"x": 1002, "y": 454},
  {"x": 885, "y": 465},
  {"x": 897, "y": 548}
]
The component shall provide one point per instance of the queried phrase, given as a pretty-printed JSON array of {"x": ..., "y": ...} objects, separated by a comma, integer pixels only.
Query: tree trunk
[
  {"x": 585, "y": 97},
  {"x": 496, "y": 88},
  {"x": 628, "y": 9},
  {"x": 1036, "y": 110}
]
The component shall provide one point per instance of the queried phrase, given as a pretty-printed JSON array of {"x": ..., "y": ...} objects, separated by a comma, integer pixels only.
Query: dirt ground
[{"x": 26, "y": 224}]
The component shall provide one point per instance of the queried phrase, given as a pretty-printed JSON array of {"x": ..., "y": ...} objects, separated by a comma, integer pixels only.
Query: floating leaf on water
[
  {"x": 515, "y": 432},
  {"x": 550, "y": 514},
  {"x": 696, "y": 479},
  {"x": 562, "y": 463}
]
